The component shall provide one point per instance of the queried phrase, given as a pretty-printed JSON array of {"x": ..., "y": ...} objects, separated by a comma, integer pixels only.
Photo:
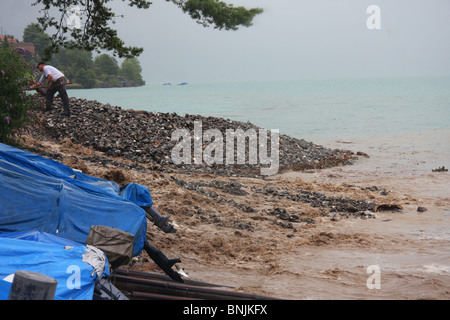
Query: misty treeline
[{"x": 81, "y": 67}]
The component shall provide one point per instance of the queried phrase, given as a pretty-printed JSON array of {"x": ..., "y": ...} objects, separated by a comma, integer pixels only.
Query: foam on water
[{"x": 436, "y": 268}]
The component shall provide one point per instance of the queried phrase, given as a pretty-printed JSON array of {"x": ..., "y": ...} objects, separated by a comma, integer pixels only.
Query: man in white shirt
[{"x": 54, "y": 83}]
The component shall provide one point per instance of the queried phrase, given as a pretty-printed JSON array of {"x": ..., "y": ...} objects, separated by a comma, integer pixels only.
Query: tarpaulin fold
[
  {"x": 56, "y": 257},
  {"x": 37, "y": 193}
]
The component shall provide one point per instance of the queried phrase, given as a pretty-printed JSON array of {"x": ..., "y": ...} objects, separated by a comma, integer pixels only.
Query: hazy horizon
[{"x": 291, "y": 40}]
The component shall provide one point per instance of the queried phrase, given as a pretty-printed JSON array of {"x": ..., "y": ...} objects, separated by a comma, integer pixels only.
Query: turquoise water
[{"x": 309, "y": 109}]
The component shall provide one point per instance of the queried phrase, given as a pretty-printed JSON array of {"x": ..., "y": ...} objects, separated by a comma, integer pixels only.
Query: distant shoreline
[
  {"x": 105, "y": 86},
  {"x": 83, "y": 88}
]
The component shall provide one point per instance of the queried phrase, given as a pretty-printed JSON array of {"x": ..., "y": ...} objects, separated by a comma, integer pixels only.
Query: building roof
[
  {"x": 12, "y": 40},
  {"x": 27, "y": 46}
]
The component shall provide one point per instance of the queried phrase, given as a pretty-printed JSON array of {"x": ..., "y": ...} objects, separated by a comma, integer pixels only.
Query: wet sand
[{"x": 220, "y": 242}]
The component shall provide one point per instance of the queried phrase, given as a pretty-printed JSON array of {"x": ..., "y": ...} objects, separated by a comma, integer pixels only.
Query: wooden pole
[{"x": 56, "y": 85}]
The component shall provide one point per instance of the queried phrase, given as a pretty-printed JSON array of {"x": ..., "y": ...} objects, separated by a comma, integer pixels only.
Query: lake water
[{"x": 315, "y": 110}]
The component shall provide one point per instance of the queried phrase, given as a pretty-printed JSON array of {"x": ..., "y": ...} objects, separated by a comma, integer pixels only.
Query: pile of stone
[{"x": 146, "y": 138}]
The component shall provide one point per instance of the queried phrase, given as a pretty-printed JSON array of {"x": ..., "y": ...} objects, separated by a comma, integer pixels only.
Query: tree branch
[{"x": 96, "y": 34}]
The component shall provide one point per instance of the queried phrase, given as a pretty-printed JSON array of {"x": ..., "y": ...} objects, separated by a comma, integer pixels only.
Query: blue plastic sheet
[
  {"x": 39, "y": 236},
  {"x": 52, "y": 256},
  {"x": 41, "y": 194},
  {"x": 137, "y": 194}
]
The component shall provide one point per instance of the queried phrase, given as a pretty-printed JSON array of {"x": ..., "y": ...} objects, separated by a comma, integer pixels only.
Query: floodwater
[{"x": 405, "y": 254}]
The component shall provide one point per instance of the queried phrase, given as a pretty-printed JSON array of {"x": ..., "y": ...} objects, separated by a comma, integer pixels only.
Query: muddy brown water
[
  {"x": 398, "y": 255},
  {"x": 411, "y": 248}
]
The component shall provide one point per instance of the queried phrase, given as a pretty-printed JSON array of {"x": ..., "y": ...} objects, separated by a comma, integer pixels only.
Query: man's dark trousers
[{"x": 61, "y": 89}]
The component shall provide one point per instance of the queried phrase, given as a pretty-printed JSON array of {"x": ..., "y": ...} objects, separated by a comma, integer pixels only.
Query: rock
[
  {"x": 335, "y": 217},
  {"x": 388, "y": 207},
  {"x": 440, "y": 169},
  {"x": 360, "y": 153},
  {"x": 286, "y": 225},
  {"x": 421, "y": 209}
]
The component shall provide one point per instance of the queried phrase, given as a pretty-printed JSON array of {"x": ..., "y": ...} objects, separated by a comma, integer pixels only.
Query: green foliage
[
  {"x": 35, "y": 34},
  {"x": 15, "y": 105},
  {"x": 218, "y": 13},
  {"x": 76, "y": 64},
  {"x": 106, "y": 65},
  {"x": 85, "y": 77},
  {"x": 131, "y": 70},
  {"x": 70, "y": 60},
  {"x": 79, "y": 67},
  {"x": 96, "y": 32}
]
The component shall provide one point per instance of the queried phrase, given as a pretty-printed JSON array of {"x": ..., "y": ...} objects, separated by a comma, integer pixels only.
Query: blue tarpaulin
[
  {"x": 66, "y": 261},
  {"x": 40, "y": 194}
]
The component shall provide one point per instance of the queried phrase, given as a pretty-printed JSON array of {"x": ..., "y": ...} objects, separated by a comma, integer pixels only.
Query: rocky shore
[
  {"x": 228, "y": 218},
  {"x": 145, "y": 138}
]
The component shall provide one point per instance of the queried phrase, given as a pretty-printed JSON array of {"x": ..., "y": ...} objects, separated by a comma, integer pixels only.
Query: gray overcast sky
[{"x": 292, "y": 39}]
